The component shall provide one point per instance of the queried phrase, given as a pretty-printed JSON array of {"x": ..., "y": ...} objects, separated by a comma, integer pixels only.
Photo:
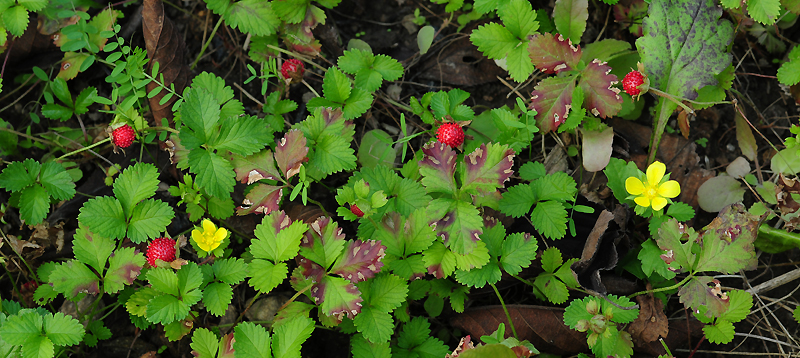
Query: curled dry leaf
[{"x": 165, "y": 46}]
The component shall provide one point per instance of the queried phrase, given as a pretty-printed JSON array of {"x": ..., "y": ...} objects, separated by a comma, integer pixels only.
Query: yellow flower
[
  {"x": 652, "y": 192},
  {"x": 210, "y": 237}
]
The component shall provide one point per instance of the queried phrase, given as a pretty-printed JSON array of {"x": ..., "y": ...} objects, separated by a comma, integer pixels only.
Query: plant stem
[
  {"x": 679, "y": 284},
  {"x": 505, "y": 309},
  {"x": 43, "y": 141},
  {"x": 84, "y": 148},
  {"x": 208, "y": 42},
  {"x": 168, "y": 129}
]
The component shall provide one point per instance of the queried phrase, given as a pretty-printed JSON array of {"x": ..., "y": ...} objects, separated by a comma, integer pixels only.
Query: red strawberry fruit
[
  {"x": 631, "y": 83},
  {"x": 292, "y": 70},
  {"x": 450, "y": 134},
  {"x": 355, "y": 210},
  {"x": 123, "y": 136},
  {"x": 160, "y": 249}
]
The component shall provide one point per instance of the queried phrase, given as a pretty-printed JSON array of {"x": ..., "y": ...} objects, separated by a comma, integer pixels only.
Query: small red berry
[
  {"x": 631, "y": 83},
  {"x": 161, "y": 249},
  {"x": 355, "y": 210},
  {"x": 292, "y": 69},
  {"x": 450, "y": 134},
  {"x": 123, "y": 136}
]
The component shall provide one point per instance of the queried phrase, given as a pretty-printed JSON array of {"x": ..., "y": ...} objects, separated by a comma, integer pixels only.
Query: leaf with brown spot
[
  {"x": 291, "y": 152},
  {"x": 165, "y": 46},
  {"x": 552, "y": 100},
  {"x": 651, "y": 322}
]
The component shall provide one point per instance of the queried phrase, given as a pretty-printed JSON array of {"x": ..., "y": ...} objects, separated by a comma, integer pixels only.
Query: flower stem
[
  {"x": 84, "y": 148},
  {"x": 679, "y": 284},
  {"x": 505, "y": 309}
]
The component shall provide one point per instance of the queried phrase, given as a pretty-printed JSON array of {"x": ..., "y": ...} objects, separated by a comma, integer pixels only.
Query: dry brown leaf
[
  {"x": 46, "y": 236},
  {"x": 651, "y": 322},
  {"x": 542, "y": 326},
  {"x": 165, "y": 46}
]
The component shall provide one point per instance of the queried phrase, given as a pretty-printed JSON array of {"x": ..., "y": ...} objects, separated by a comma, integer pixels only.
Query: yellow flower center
[{"x": 651, "y": 191}]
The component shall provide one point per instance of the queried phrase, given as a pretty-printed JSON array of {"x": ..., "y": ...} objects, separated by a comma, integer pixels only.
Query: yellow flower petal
[
  {"x": 220, "y": 235},
  {"x": 197, "y": 236},
  {"x": 642, "y": 200},
  {"x": 658, "y": 203},
  {"x": 208, "y": 226},
  {"x": 670, "y": 189},
  {"x": 655, "y": 172},
  {"x": 634, "y": 186},
  {"x": 203, "y": 245}
]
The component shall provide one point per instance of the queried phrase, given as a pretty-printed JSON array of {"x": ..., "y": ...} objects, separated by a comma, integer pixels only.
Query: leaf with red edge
[
  {"x": 697, "y": 293},
  {"x": 361, "y": 260},
  {"x": 310, "y": 270},
  {"x": 600, "y": 97},
  {"x": 323, "y": 243},
  {"x": 438, "y": 168},
  {"x": 552, "y": 100},
  {"x": 340, "y": 297},
  {"x": 291, "y": 152},
  {"x": 255, "y": 167},
  {"x": 457, "y": 223},
  {"x": 124, "y": 266},
  {"x": 277, "y": 237},
  {"x": 299, "y": 38},
  {"x": 262, "y": 198},
  {"x": 553, "y": 54},
  {"x": 487, "y": 168}
]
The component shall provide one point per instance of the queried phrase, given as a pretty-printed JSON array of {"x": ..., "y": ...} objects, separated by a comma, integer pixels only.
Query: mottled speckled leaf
[
  {"x": 684, "y": 45},
  {"x": 552, "y": 100},
  {"x": 341, "y": 297},
  {"x": 438, "y": 167},
  {"x": 291, "y": 152},
  {"x": 698, "y": 293},
  {"x": 728, "y": 242},
  {"x": 72, "y": 278},
  {"x": 677, "y": 240},
  {"x": 361, "y": 260},
  {"x": 261, "y": 198},
  {"x": 553, "y": 54},
  {"x": 255, "y": 167},
  {"x": 457, "y": 223},
  {"x": 600, "y": 97},
  {"x": 323, "y": 243},
  {"x": 124, "y": 266},
  {"x": 405, "y": 236},
  {"x": 487, "y": 168}
]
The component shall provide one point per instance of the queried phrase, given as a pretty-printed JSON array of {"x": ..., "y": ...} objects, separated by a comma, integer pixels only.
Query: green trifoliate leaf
[
  {"x": 518, "y": 251},
  {"x": 290, "y": 336},
  {"x": 276, "y": 106},
  {"x": 19, "y": 328},
  {"x": 479, "y": 277},
  {"x": 189, "y": 278},
  {"x": 216, "y": 297},
  {"x": 214, "y": 173},
  {"x": 617, "y": 314},
  {"x": 370, "y": 70},
  {"x": 789, "y": 72},
  {"x": 278, "y": 237},
  {"x": 570, "y": 18},
  {"x": 721, "y": 332},
  {"x": 57, "y": 181},
  {"x": 324, "y": 243},
  {"x": 230, "y": 271},
  {"x": 149, "y": 219},
  {"x": 518, "y": 200},
  {"x": 403, "y": 237},
  {"x": 509, "y": 41},
  {"x": 164, "y": 280},
  {"x": 73, "y": 278},
  {"x": 62, "y": 330},
  {"x": 680, "y": 57},
  {"x": 553, "y": 289},
  {"x": 200, "y": 113},
  {"x": 558, "y": 186},
  {"x": 103, "y": 215},
  {"x": 357, "y": 104},
  {"x": 166, "y": 309},
  {"x": 251, "y": 340},
  {"x": 123, "y": 268},
  {"x": 374, "y": 324},
  {"x": 34, "y": 203},
  {"x": 458, "y": 223},
  {"x": 362, "y": 348},
  {"x": 550, "y": 219},
  {"x": 136, "y": 183},
  {"x": 242, "y": 135},
  {"x": 385, "y": 292},
  {"x": 212, "y": 83},
  {"x": 336, "y": 86},
  {"x": 19, "y": 175},
  {"x": 265, "y": 275},
  {"x": 331, "y": 154}
]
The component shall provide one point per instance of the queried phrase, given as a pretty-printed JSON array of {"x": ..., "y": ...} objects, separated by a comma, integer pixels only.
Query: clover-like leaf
[
  {"x": 323, "y": 243},
  {"x": 278, "y": 237}
]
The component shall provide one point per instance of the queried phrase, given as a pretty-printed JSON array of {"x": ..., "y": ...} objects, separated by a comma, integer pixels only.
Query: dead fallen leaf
[
  {"x": 651, "y": 322},
  {"x": 47, "y": 236},
  {"x": 542, "y": 326},
  {"x": 165, "y": 46},
  {"x": 599, "y": 253}
]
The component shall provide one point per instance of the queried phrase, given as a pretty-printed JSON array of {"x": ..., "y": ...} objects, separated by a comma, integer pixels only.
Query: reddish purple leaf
[
  {"x": 438, "y": 167},
  {"x": 552, "y": 100},
  {"x": 488, "y": 168},
  {"x": 291, "y": 152},
  {"x": 323, "y": 243},
  {"x": 262, "y": 198},
  {"x": 600, "y": 97},
  {"x": 361, "y": 260},
  {"x": 553, "y": 54},
  {"x": 255, "y": 167},
  {"x": 310, "y": 270},
  {"x": 298, "y": 37},
  {"x": 341, "y": 297}
]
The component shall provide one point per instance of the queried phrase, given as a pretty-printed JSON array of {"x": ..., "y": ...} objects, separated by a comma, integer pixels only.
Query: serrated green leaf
[
  {"x": 289, "y": 337},
  {"x": 764, "y": 11},
  {"x": 164, "y": 280},
  {"x": 15, "y": 19},
  {"x": 374, "y": 324},
  {"x": 214, "y": 173},
  {"x": 336, "y": 86},
  {"x": 458, "y": 223},
  {"x": 278, "y": 237},
  {"x": 494, "y": 40},
  {"x": 558, "y": 186},
  {"x": 149, "y": 219},
  {"x": 479, "y": 277},
  {"x": 104, "y": 216},
  {"x": 123, "y": 268},
  {"x": 34, "y": 203},
  {"x": 265, "y": 275},
  {"x": 532, "y": 170},
  {"x": 18, "y": 175},
  {"x": 253, "y": 16},
  {"x": 251, "y": 340},
  {"x": 57, "y": 181},
  {"x": 63, "y": 330},
  {"x": 721, "y": 332},
  {"x": 650, "y": 257},
  {"x": 362, "y": 348},
  {"x": 439, "y": 260},
  {"x": 230, "y": 271},
  {"x": 216, "y": 297},
  {"x": 550, "y": 219},
  {"x": 204, "y": 343},
  {"x": 357, "y": 104},
  {"x": 570, "y": 18},
  {"x": 19, "y": 328},
  {"x": 385, "y": 292},
  {"x": 331, "y": 154},
  {"x": 728, "y": 242},
  {"x": 554, "y": 290},
  {"x": 518, "y": 251},
  {"x": 740, "y": 304},
  {"x": 166, "y": 309},
  {"x": 789, "y": 72},
  {"x": 242, "y": 135},
  {"x": 200, "y": 112},
  {"x": 73, "y": 278}
]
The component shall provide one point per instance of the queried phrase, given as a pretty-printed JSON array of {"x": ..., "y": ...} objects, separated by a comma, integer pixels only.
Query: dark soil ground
[{"x": 453, "y": 62}]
